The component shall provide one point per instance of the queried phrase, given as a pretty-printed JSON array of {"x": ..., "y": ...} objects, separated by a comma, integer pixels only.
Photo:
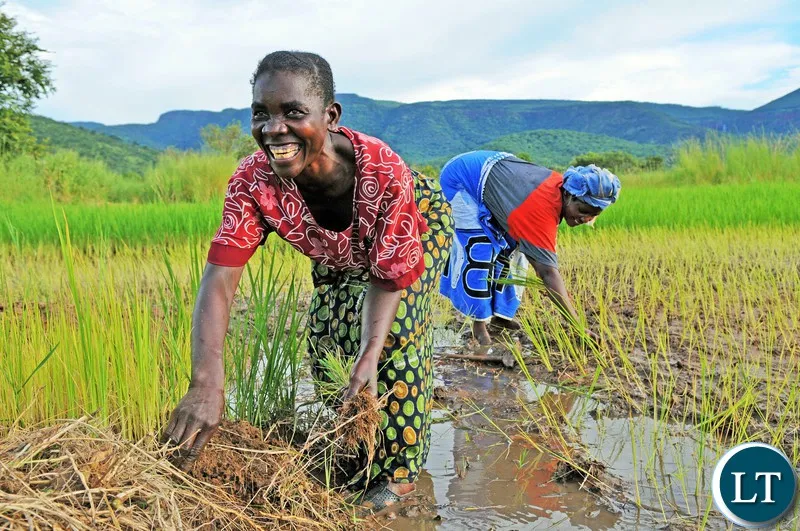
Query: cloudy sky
[{"x": 123, "y": 61}]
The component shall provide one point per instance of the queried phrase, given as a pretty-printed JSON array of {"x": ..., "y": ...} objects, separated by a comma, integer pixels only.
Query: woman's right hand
[{"x": 193, "y": 422}]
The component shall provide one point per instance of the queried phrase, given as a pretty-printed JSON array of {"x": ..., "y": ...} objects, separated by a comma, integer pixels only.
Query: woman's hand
[
  {"x": 363, "y": 375},
  {"x": 193, "y": 422},
  {"x": 199, "y": 412}
]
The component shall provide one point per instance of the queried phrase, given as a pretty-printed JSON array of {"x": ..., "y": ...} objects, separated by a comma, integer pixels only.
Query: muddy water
[
  {"x": 665, "y": 468},
  {"x": 476, "y": 478}
]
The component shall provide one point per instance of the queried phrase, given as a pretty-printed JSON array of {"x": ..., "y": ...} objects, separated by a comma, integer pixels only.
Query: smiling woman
[{"x": 378, "y": 235}]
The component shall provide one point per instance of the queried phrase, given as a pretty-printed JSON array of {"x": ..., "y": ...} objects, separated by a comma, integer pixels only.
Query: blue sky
[{"x": 123, "y": 61}]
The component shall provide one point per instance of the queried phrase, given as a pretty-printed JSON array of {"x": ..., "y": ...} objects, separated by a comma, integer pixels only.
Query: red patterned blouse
[{"x": 387, "y": 223}]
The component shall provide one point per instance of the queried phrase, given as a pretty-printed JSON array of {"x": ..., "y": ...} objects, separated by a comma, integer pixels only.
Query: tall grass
[
  {"x": 119, "y": 349},
  {"x": 189, "y": 176},
  {"x": 69, "y": 178},
  {"x": 198, "y": 177},
  {"x": 724, "y": 159}
]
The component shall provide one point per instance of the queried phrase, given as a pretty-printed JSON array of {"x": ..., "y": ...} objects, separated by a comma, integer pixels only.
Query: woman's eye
[
  {"x": 259, "y": 114},
  {"x": 294, "y": 113}
]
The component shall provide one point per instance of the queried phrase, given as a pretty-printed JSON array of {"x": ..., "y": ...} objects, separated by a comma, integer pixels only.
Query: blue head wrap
[{"x": 595, "y": 186}]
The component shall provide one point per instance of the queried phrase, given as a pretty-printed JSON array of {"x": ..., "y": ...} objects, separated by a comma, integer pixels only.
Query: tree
[
  {"x": 615, "y": 161},
  {"x": 228, "y": 140},
  {"x": 24, "y": 78}
]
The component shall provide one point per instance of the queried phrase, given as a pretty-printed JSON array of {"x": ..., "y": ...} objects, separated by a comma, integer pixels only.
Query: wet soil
[
  {"x": 240, "y": 460},
  {"x": 481, "y": 474}
]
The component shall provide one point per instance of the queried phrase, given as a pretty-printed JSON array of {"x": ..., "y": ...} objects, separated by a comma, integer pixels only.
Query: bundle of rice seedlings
[
  {"x": 358, "y": 421},
  {"x": 77, "y": 475},
  {"x": 347, "y": 443},
  {"x": 358, "y": 418}
]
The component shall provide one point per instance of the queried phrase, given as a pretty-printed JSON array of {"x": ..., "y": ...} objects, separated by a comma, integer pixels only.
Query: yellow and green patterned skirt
[{"x": 405, "y": 365}]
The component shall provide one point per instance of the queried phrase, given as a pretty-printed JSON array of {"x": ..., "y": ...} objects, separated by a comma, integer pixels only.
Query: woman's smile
[{"x": 284, "y": 152}]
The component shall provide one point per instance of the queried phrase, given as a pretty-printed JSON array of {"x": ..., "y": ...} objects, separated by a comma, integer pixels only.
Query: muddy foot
[{"x": 500, "y": 324}]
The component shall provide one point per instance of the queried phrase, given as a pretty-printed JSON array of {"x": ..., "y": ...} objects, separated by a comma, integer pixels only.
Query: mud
[{"x": 240, "y": 460}]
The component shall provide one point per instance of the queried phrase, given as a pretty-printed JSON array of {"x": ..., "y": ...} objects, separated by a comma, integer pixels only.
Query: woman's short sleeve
[{"x": 242, "y": 229}]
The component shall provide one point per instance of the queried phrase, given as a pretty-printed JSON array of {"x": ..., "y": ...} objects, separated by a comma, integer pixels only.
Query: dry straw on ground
[{"x": 76, "y": 475}]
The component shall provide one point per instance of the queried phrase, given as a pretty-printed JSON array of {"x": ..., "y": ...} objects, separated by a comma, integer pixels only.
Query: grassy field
[
  {"x": 140, "y": 225},
  {"x": 700, "y": 339},
  {"x": 691, "y": 281}
]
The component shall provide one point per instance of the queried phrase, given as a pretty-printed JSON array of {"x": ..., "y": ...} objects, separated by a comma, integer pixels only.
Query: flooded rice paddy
[{"x": 480, "y": 476}]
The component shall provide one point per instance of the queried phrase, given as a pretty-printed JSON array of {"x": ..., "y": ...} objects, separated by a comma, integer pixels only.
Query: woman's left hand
[{"x": 364, "y": 375}]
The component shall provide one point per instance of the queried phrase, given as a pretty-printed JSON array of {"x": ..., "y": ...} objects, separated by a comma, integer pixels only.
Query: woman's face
[
  {"x": 575, "y": 212},
  {"x": 290, "y": 121}
]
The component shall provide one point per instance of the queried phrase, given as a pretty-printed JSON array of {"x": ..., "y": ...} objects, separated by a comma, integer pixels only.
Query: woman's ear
[{"x": 334, "y": 113}]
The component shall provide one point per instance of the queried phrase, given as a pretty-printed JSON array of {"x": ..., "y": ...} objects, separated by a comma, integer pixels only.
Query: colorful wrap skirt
[
  {"x": 472, "y": 279},
  {"x": 405, "y": 365}
]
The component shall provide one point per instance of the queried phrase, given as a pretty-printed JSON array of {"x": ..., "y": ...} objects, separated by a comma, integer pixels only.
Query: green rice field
[{"x": 692, "y": 281}]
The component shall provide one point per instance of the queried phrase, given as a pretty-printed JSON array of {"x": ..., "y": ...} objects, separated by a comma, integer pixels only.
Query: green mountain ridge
[
  {"x": 119, "y": 155},
  {"x": 553, "y": 147},
  {"x": 789, "y": 101},
  {"x": 436, "y": 130}
]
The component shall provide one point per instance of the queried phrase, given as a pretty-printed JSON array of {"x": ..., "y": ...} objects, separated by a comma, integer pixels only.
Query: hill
[
  {"x": 559, "y": 147},
  {"x": 119, "y": 155},
  {"x": 789, "y": 101},
  {"x": 433, "y": 130}
]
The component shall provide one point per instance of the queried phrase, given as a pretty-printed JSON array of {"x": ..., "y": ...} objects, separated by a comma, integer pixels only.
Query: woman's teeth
[{"x": 284, "y": 151}]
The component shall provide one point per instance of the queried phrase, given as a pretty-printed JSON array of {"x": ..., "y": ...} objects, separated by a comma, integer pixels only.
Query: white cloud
[
  {"x": 130, "y": 60},
  {"x": 699, "y": 74},
  {"x": 663, "y": 22}
]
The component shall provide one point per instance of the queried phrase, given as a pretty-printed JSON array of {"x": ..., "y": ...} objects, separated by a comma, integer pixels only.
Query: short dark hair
[{"x": 311, "y": 65}]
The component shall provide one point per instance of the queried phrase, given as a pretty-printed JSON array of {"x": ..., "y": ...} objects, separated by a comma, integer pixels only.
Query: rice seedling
[
  {"x": 700, "y": 342},
  {"x": 118, "y": 348},
  {"x": 692, "y": 289},
  {"x": 267, "y": 347}
]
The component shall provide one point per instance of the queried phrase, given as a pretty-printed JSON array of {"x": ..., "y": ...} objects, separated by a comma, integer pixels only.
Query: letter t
[{"x": 768, "y": 484}]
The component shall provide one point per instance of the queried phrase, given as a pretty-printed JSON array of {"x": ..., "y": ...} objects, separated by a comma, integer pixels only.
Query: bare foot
[
  {"x": 501, "y": 323},
  {"x": 481, "y": 333}
]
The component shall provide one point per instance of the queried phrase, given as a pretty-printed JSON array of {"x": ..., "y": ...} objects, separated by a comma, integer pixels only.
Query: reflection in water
[
  {"x": 667, "y": 470},
  {"x": 476, "y": 479},
  {"x": 661, "y": 463}
]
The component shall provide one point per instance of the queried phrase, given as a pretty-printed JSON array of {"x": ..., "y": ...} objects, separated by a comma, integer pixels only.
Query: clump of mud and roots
[{"x": 78, "y": 475}]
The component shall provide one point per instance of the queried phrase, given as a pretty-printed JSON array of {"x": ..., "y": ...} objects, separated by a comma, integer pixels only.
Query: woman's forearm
[
  {"x": 378, "y": 314},
  {"x": 210, "y": 324},
  {"x": 557, "y": 291}
]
